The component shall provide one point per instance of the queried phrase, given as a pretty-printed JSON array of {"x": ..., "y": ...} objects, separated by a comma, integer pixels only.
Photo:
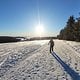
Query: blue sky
[{"x": 20, "y": 17}]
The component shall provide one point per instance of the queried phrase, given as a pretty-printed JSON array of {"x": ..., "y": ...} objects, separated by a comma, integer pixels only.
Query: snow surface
[{"x": 31, "y": 60}]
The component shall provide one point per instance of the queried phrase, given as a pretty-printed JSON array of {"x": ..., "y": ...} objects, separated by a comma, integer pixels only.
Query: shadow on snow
[{"x": 74, "y": 75}]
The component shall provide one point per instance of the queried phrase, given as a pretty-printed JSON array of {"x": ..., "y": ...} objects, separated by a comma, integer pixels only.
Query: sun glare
[{"x": 39, "y": 30}]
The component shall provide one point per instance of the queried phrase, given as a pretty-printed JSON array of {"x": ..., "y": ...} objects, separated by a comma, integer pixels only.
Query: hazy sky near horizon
[{"x": 20, "y": 17}]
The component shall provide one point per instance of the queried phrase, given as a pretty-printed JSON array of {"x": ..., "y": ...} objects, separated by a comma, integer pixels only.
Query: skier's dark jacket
[{"x": 51, "y": 42}]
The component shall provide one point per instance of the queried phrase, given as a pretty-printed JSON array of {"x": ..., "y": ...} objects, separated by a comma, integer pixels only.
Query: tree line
[
  {"x": 72, "y": 30},
  {"x": 7, "y": 39}
]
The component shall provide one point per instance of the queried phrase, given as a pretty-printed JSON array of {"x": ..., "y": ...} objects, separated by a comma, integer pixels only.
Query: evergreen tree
[
  {"x": 70, "y": 28},
  {"x": 71, "y": 31},
  {"x": 77, "y": 30}
]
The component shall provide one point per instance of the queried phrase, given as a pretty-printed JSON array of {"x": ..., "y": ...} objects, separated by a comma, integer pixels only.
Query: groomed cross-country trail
[{"x": 31, "y": 60}]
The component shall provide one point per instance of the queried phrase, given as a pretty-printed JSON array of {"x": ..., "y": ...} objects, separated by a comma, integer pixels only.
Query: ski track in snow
[{"x": 32, "y": 61}]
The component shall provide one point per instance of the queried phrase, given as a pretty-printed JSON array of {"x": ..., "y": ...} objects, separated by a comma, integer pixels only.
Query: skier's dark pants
[{"x": 51, "y": 48}]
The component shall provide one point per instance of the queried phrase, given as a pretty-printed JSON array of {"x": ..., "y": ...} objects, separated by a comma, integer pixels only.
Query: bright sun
[{"x": 39, "y": 30}]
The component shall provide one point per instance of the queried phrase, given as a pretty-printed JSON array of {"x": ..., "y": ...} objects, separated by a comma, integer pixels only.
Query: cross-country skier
[{"x": 51, "y": 42}]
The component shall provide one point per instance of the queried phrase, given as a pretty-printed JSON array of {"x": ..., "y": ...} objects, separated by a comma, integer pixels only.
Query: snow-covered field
[{"x": 31, "y": 60}]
